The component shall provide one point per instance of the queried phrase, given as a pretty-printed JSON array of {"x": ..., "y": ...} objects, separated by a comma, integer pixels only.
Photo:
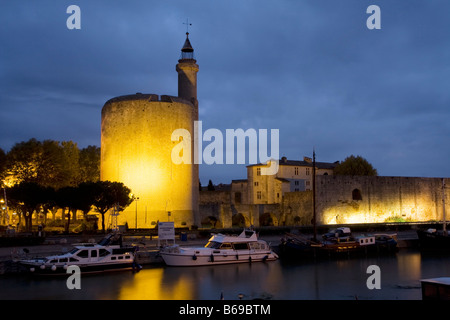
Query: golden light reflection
[
  {"x": 149, "y": 284},
  {"x": 409, "y": 266}
]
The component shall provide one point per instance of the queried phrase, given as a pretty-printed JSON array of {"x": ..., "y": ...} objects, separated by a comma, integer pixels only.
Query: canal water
[{"x": 329, "y": 279}]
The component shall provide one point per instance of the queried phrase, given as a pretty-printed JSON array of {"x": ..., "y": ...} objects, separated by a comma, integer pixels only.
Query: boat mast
[
  {"x": 444, "y": 227},
  {"x": 314, "y": 195}
]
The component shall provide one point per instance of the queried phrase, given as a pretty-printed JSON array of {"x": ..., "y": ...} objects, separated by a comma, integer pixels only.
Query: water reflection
[{"x": 327, "y": 279}]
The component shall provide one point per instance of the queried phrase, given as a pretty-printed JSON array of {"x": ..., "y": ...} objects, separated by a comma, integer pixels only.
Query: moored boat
[
  {"x": 107, "y": 255},
  {"x": 220, "y": 249},
  {"x": 336, "y": 242},
  {"x": 434, "y": 240}
]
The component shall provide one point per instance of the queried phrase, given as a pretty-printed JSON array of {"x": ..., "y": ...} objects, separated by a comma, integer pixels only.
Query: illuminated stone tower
[{"x": 136, "y": 148}]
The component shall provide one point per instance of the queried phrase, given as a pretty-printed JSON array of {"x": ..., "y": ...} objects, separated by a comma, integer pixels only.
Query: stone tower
[
  {"x": 136, "y": 148},
  {"x": 187, "y": 69}
]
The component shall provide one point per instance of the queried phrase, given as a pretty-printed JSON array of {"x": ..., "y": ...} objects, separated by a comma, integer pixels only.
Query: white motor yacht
[
  {"x": 107, "y": 255},
  {"x": 220, "y": 249}
]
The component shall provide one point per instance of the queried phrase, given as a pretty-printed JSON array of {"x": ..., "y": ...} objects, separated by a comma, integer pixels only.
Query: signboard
[{"x": 166, "y": 231}]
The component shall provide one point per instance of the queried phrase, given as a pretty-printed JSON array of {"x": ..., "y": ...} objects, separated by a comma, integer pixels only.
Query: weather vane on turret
[{"x": 187, "y": 25}]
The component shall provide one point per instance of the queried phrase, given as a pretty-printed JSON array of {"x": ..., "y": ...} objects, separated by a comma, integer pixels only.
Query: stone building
[
  {"x": 136, "y": 149},
  {"x": 284, "y": 198},
  {"x": 292, "y": 175},
  {"x": 339, "y": 199}
]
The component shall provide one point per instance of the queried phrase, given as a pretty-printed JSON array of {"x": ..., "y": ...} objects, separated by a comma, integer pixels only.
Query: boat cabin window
[
  {"x": 93, "y": 253},
  {"x": 83, "y": 254},
  {"x": 103, "y": 252},
  {"x": 213, "y": 245},
  {"x": 257, "y": 246},
  {"x": 63, "y": 260},
  {"x": 73, "y": 259},
  {"x": 240, "y": 246},
  {"x": 226, "y": 246}
]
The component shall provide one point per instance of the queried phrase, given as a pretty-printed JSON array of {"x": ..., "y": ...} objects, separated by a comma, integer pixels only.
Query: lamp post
[
  {"x": 6, "y": 204},
  {"x": 136, "y": 199}
]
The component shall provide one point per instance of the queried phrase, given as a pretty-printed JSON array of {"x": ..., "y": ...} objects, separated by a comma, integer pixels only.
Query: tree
[
  {"x": 355, "y": 166},
  {"x": 90, "y": 164},
  {"x": 26, "y": 198},
  {"x": 71, "y": 168},
  {"x": 66, "y": 197},
  {"x": 2, "y": 164},
  {"x": 48, "y": 163},
  {"x": 49, "y": 203},
  {"x": 23, "y": 159},
  {"x": 211, "y": 186},
  {"x": 109, "y": 195}
]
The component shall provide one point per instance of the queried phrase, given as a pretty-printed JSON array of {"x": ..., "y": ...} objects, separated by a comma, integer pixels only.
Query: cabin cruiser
[
  {"x": 220, "y": 249},
  {"x": 107, "y": 255},
  {"x": 434, "y": 240},
  {"x": 337, "y": 241}
]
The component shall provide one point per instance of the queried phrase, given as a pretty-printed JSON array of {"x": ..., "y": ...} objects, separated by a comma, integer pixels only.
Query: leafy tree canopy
[
  {"x": 51, "y": 163},
  {"x": 355, "y": 166}
]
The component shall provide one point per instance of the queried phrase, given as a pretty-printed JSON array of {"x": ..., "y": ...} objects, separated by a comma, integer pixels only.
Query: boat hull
[
  {"x": 187, "y": 259},
  {"x": 433, "y": 241},
  {"x": 295, "y": 250},
  {"x": 62, "y": 269}
]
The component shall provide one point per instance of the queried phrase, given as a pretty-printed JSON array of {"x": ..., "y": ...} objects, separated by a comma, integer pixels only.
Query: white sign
[{"x": 166, "y": 231}]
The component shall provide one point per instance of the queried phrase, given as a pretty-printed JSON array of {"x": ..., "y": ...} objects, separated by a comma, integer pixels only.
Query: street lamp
[{"x": 136, "y": 199}]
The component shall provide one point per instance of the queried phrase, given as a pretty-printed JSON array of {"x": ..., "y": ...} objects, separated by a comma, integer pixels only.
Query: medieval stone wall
[
  {"x": 339, "y": 200},
  {"x": 361, "y": 199}
]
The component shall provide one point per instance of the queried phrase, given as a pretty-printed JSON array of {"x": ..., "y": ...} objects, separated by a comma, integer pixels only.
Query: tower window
[
  {"x": 258, "y": 171},
  {"x": 258, "y": 195},
  {"x": 296, "y": 171},
  {"x": 356, "y": 194}
]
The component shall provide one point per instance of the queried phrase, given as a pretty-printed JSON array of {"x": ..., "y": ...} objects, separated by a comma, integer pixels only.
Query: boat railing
[{"x": 302, "y": 239}]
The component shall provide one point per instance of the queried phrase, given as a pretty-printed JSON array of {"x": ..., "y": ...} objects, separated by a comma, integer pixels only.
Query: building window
[
  {"x": 237, "y": 198},
  {"x": 296, "y": 171},
  {"x": 297, "y": 183},
  {"x": 256, "y": 183},
  {"x": 296, "y": 189},
  {"x": 258, "y": 195},
  {"x": 278, "y": 195},
  {"x": 356, "y": 194},
  {"x": 308, "y": 183},
  {"x": 258, "y": 171},
  {"x": 307, "y": 171}
]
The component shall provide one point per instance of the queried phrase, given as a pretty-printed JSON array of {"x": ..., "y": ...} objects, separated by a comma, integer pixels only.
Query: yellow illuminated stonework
[
  {"x": 136, "y": 150},
  {"x": 362, "y": 199}
]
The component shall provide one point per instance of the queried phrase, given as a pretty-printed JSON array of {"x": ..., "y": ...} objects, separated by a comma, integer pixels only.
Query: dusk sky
[{"x": 311, "y": 69}]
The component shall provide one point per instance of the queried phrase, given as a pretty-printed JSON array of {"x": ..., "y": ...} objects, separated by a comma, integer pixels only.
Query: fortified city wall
[{"x": 339, "y": 200}]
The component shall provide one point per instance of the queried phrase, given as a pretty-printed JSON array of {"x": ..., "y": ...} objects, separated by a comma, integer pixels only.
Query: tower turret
[{"x": 187, "y": 69}]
